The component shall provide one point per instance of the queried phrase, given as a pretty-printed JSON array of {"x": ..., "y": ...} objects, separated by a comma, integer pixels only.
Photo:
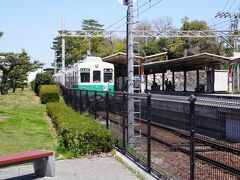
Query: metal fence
[{"x": 185, "y": 138}]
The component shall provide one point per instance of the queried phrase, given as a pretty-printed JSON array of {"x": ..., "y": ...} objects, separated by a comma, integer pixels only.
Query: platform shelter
[
  {"x": 120, "y": 64},
  {"x": 159, "y": 63},
  {"x": 234, "y": 74},
  {"x": 203, "y": 61}
]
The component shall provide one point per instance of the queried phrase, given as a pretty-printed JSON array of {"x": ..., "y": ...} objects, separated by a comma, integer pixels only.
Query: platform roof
[
  {"x": 120, "y": 58},
  {"x": 189, "y": 63}
]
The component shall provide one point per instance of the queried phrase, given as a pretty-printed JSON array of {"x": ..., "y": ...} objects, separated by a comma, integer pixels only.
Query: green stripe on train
[{"x": 95, "y": 88}]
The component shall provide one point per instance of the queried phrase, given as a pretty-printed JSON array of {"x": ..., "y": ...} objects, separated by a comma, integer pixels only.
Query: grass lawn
[{"x": 23, "y": 124}]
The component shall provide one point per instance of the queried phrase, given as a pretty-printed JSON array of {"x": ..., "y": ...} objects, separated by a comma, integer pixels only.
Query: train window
[
  {"x": 85, "y": 77},
  {"x": 96, "y": 76},
  {"x": 107, "y": 76}
]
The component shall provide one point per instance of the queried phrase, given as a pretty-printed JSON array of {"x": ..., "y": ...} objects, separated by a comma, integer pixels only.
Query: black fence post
[
  {"x": 68, "y": 96},
  {"x": 80, "y": 101},
  {"x": 124, "y": 122},
  {"x": 75, "y": 100},
  {"x": 72, "y": 98},
  {"x": 87, "y": 102},
  {"x": 149, "y": 132},
  {"x": 192, "y": 100},
  {"x": 95, "y": 104},
  {"x": 107, "y": 110}
]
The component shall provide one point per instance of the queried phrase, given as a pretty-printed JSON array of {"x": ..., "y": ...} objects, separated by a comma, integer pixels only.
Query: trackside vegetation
[
  {"x": 78, "y": 134},
  {"x": 49, "y": 93}
]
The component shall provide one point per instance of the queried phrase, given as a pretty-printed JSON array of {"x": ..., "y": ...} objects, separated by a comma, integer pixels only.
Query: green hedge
[
  {"x": 42, "y": 79},
  {"x": 33, "y": 84},
  {"x": 79, "y": 134},
  {"x": 49, "y": 93}
]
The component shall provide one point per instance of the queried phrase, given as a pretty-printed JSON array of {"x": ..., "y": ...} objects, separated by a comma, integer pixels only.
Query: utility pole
[
  {"x": 63, "y": 50},
  {"x": 234, "y": 27},
  {"x": 130, "y": 73},
  {"x": 55, "y": 62}
]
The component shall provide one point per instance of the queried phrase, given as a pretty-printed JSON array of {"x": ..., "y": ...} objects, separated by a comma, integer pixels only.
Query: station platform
[{"x": 223, "y": 95}]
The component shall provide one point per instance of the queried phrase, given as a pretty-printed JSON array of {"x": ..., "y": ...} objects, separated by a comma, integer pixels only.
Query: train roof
[{"x": 89, "y": 60}]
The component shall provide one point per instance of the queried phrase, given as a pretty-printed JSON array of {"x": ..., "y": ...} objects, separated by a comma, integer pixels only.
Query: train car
[{"x": 90, "y": 74}]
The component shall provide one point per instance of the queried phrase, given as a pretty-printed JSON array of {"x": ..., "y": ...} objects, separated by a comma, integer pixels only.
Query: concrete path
[{"x": 97, "y": 168}]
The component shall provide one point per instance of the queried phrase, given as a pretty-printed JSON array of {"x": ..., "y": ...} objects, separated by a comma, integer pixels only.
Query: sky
[{"x": 32, "y": 24}]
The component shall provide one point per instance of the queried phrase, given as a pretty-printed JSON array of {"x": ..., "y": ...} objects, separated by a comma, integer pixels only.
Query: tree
[
  {"x": 94, "y": 43},
  {"x": 143, "y": 25},
  {"x": 162, "y": 23},
  {"x": 1, "y": 33},
  {"x": 200, "y": 45},
  {"x": 15, "y": 68},
  {"x": 91, "y": 24},
  {"x": 76, "y": 47},
  {"x": 7, "y": 62},
  {"x": 174, "y": 46}
]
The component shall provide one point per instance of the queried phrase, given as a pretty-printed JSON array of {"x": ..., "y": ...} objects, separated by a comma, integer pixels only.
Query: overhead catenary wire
[
  {"x": 231, "y": 5},
  {"x": 228, "y": 20},
  {"x": 237, "y": 8},
  {"x": 214, "y": 21},
  {"x": 225, "y": 5},
  {"x": 124, "y": 18},
  {"x": 152, "y": 5},
  {"x": 221, "y": 27}
]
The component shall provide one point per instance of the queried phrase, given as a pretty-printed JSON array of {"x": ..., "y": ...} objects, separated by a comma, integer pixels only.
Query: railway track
[{"x": 201, "y": 154}]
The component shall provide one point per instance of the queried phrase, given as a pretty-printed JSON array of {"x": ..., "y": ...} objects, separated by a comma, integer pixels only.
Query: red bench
[{"x": 43, "y": 161}]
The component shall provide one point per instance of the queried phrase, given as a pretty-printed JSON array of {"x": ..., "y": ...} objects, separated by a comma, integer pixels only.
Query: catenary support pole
[
  {"x": 124, "y": 123},
  {"x": 192, "y": 100},
  {"x": 130, "y": 73},
  {"x": 149, "y": 132},
  {"x": 55, "y": 62},
  {"x": 63, "y": 50}
]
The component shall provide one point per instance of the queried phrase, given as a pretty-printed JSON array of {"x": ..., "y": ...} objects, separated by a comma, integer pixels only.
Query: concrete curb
[{"x": 135, "y": 167}]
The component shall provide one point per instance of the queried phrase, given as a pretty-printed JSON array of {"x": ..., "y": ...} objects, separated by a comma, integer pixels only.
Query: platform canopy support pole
[
  {"x": 212, "y": 79},
  {"x": 173, "y": 78},
  {"x": 163, "y": 80},
  {"x": 197, "y": 74},
  {"x": 185, "y": 81}
]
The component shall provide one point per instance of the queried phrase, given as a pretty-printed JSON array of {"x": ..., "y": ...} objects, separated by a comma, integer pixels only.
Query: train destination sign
[{"x": 85, "y": 70}]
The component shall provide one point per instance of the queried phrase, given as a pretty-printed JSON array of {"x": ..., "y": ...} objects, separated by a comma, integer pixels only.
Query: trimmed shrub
[
  {"x": 79, "y": 134},
  {"x": 49, "y": 93},
  {"x": 42, "y": 79}
]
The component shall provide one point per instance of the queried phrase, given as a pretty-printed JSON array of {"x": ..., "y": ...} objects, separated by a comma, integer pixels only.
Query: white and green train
[{"x": 89, "y": 74}]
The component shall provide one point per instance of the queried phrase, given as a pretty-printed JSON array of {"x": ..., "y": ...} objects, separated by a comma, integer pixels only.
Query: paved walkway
[{"x": 97, "y": 168}]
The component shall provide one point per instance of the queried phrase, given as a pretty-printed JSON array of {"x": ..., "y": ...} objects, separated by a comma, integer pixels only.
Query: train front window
[
  {"x": 96, "y": 76},
  {"x": 85, "y": 77},
  {"x": 107, "y": 76}
]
